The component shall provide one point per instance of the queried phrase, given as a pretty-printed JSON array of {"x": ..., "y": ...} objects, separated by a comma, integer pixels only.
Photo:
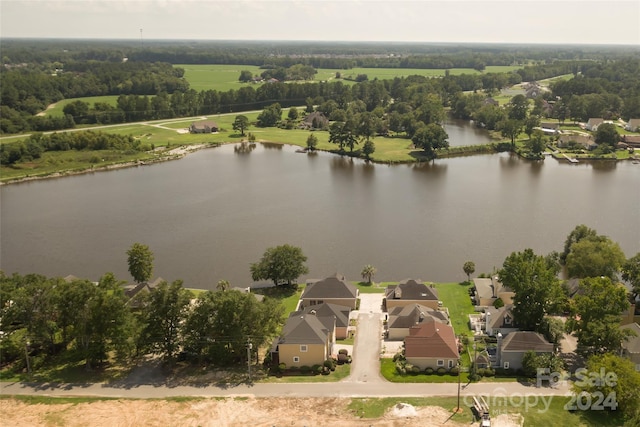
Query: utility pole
[
  {"x": 249, "y": 347},
  {"x": 26, "y": 355}
]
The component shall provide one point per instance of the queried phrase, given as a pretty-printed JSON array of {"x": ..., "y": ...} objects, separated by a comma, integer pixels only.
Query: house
[
  {"x": 482, "y": 360},
  {"x": 305, "y": 341},
  {"x": 401, "y": 319},
  {"x": 499, "y": 320},
  {"x": 410, "y": 292},
  {"x": 631, "y": 140},
  {"x": 593, "y": 124},
  {"x": 553, "y": 126},
  {"x": 431, "y": 345},
  {"x": 488, "y": 290},
  {"x": 134, "y": 290},
  {"x": 513, "y": 347},
  {"x": 334, "y": 290},
  {"x": 329, "y": 314},
  {"x": 633, "y": 125},
  {"x": 204, "y": 126},
  {"x": 490, "y": 101},
  {"x": 315, "y": 120},
  {"x": 585, "y": 140},
  {"x": 631, "y": 346}
]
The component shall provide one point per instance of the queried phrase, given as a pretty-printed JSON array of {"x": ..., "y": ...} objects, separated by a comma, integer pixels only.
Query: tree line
[{"x": 38, "y": 143}]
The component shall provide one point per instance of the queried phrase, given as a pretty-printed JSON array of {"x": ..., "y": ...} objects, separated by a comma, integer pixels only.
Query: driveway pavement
[{"x": 366, "y": 349}]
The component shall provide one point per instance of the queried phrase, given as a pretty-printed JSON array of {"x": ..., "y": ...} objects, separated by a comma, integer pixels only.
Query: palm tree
[
  {"x": 469, "y": 268},
  {"x": 223, "y": 285},
  {"x": 368, "y": 272}
]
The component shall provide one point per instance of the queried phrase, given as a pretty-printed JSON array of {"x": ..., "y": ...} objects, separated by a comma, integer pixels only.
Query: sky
[{"x": 449, "y": 21}]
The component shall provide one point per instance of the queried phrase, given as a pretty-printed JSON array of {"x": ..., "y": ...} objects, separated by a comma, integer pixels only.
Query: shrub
[
  {"x": 282, "y": 367},
  {"x": 428, "y": 371},
  {"x": 454, "y": 371},
  {"x": 342, "y": 359},
  {"x": 400, "y": 368},
  {"x": 329, "y": 364},
  {"x": 317, "y": 369},
  {"x": 305, "y": 369},
  {"x": 474, "y": 377},
  {"x": 325, "y": 370},
  {"x": 398, "y": 357},
  {"x": 415, "y": 369},
  {"x": 343, "y": 351},
  {"x": 441, "y": 371}
]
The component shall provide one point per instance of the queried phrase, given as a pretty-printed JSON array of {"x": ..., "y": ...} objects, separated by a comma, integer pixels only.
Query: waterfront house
[
  {"x": 487, "y": 290},
  {"x": 499, "y": 320},
  {"x": 431, "y": 345},
  {"x": 334, "y": 290},
  {"x": 410, "y": 292},
  {"x": 633, "y": 125},
  {"x": 586, "y": 141}
]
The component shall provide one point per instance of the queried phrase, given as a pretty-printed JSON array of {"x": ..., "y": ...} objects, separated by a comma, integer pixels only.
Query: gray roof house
[
  {"x": 499, "y": 320},
  {"x": 593, "y": 123},
  {"x": 513, "y": 347},
  {"x": 305, "y": 341},
  {"x": 330, "y": 315},
  {"x": 334, "y": 290},
  {"x": 404, "y": 317},
  {"x": 633, "y": 125},
  {"x": 488, "y": 290},
  {"x": 410, "y": 292}
]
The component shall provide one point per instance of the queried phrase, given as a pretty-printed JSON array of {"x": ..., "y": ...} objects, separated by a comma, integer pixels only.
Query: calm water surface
[{"x": 208, "y": 216}]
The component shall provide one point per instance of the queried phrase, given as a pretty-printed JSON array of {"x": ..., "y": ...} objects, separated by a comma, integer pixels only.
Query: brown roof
[
  {"x": 411, "y": 290},
  {"x": 431, "y": 339},
  {"x": 525, "y": 341}
]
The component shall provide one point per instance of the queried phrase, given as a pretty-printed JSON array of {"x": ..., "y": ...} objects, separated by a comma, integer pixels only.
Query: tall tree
[
  {"x": 469, "y": 268},
  {"x": 241, "y": 123},
  {"x": 607, "y": 134},
  {"x": 595, "y": 258},
  {"x": 580, "y": 232},
  {"x": 535, "y": 285},
  {"x": 164, "y": 311},
  {"x": 312, "y": 142},
  {"x": 631, "y": 272},
  {"x": 140, "y": 260},
  {"x": 223, "y": 285},
  {"x": 280, "y": 264},
  {"x": 596, "y": 315},
  {"x": 518, "y": 108},
  {"x": 367, "y": 273},
  {"x": 511, "y": 128},
  {"x": 431, "y": 138}
]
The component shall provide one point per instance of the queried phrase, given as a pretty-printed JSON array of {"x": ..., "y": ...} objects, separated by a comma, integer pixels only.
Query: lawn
[
  {"x": 388, "y": 371},
  {"x": 370, "y": 288},
  {"x": 455, "y": 297},
  {"x": 56, "y": 109},
  {"x": 341, "y": 372}
]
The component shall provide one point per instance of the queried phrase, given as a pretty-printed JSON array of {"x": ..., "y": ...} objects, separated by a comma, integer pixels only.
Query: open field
[
  {"x": 55, "y": 110},
  {"x": 241, "y": 411}
]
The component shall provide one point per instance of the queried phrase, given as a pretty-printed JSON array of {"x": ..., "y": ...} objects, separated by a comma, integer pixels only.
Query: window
[
  {"x": 296, "y": 359},
  {"x": 506, "y": 365},
  {"x": 450, "y": 364},
  {"x": 440, "y": 362},
  {"x": 303, "y": 348}
]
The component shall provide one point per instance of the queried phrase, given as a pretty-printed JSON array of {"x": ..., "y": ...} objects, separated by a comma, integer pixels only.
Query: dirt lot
[{"x": 217, "y": 412}]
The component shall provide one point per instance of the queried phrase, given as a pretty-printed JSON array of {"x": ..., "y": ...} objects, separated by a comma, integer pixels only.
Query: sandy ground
[{"x": 328, "y": 412}]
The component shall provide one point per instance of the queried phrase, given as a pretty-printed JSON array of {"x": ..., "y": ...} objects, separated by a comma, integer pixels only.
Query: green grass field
[
  {"x": 455, "y": 297},
  {"x": 56, "y": 109}
]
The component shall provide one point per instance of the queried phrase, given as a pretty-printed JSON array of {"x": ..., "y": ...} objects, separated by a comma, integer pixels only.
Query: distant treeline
[{"x": 38, "y": 143}]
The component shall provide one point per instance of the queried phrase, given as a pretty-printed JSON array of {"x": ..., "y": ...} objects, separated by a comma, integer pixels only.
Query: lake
[{"x": 208, "y": 216}]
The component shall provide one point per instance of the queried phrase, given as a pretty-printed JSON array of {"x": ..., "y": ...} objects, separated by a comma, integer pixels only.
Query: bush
[
  {"x": 282, "y": 367},
  {"x": 398, "y": 357},
  {"x": 329, "y": 364},
  {"x": 454, "y": 371},
  {"x": 415, "y": 369},
  {"x": 400, "y": 368},
  {"x": 441, "y": 371},
  {"x": 305, "y": 369},
  {"x": 342, "y": 359},
  {"x": 317, "y": 369},
  {"x": 428, "y": 371},
  {"x": 325, "y": 370},
  {"x": 343, "y": 351}
]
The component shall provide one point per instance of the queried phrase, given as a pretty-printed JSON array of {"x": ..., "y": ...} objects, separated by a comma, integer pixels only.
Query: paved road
[{"x": 366, "y": 350}]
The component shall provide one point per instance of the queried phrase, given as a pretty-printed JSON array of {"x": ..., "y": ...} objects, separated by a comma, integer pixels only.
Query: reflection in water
[
  {"x": 244, "y": 148},
  {"x": 509, "y": 161},
  {"x": 603, "y": 166},
  {"x": 536, "y": 166},
  {"x": 433, "y": 168},
  {"x": 272, "y": 146}
]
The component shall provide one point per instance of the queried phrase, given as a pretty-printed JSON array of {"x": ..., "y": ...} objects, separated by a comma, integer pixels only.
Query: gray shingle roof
[
  {"x": 407, "y": 316},
  {"x": 411, "y": 290},
  {"x": 303, "y": 329},
  {"x": 338, "y": 312},
  {"x": 331, "y": 287},
  {"x": 525, "y": 341}
]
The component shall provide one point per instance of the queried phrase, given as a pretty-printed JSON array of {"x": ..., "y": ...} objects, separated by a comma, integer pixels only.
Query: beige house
[
  {"x": 333, "y": 290},
  {"x": 431, "y": 345},
  {"x": 631, "y": 346},
  {"x": 513, "y": 347},
  {"x": 633, "y": 125},
  {"x": 331, "y": 315},
  {"x": 593, "y": 123},
  {"x": 410, "y": 292},
  {"x": 401, "y": 319},
  {"x": 305, "y": 341},
  {"x": 204, "y": 126},
  {"x": 488, "y": 290}
]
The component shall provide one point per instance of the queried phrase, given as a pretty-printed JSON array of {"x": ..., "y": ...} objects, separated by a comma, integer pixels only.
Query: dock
[{"x": 570, "y": 159}]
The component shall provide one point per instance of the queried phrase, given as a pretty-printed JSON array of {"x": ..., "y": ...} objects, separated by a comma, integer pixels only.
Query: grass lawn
[
  {"x": 370, "y": 288},
  {"x": 341, "y": 372},
  {"x": 388, "y": 371},
  {"x": 455, "y": 297},
  {"x": 56, "y": 110}
]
